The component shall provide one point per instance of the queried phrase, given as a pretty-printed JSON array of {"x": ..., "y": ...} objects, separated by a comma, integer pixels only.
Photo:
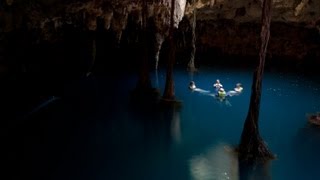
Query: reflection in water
[
  {"x": 175, "y": 126},
  {"x": 161, "y": 125},
  {"x": 47, "y": 102},
  {"x": 191, "y": 74},
  {"x": 306, "y": 148},
  {"x": 157, "y": 79},
  {"x": 93, "y": 133},
  {"x": 219, "y": 162},
  {"x": 259, "y": 171}
]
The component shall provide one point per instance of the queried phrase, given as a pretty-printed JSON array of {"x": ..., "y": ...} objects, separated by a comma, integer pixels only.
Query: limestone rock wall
[
  {"x": 288, "y": 11},
  {"x": 231, "y": 26}
]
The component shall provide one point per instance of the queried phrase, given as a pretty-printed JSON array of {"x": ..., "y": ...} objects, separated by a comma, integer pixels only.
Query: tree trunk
[
  {"x": 191, "y": 66},
  {"x": 145, "y": 97},
  {"x": 169, "y": 87},
  {"x": 252, "y": 148},
  {"x": 144, "y": 81}
]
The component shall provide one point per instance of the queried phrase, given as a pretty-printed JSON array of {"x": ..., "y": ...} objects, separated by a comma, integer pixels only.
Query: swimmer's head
[
  {"x": 218, "y": 81},
  {"x": 221, "y": 89},
  {"x": 238, "y": 84}
]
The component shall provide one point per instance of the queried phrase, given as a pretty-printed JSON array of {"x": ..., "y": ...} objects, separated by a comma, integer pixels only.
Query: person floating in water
[
  {"x": 192, "y": 85},
  {"x": 217, "y": 85},
  {"x": 222, "y": 97},
  {"x": 222, "y": 93},
  {"x": 237, "y": 90}
]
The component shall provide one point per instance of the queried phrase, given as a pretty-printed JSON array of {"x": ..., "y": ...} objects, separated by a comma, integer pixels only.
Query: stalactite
[
  {"x": 212, "y": 3},
  {"x": 144, "y": 82},
  {"x": 169, "y": 87},
  {"x": 107, "y": 19},
  {"x": 191, "y": 65},
  {"x": 158, "y": 45},
  {"x": 144, "y": 94},
  {"x": 300, "y": 7},
  {"x": 161, "y": 20},
  {"x": 119, "y": 23}
]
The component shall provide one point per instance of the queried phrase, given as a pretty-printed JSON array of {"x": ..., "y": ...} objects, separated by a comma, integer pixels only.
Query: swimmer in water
[
  {"x": 217, "y": 85},
  {"x": 222, "y": 93},
  {"x": 237, "y": 90},
  {"x": 192, "y": 85}
]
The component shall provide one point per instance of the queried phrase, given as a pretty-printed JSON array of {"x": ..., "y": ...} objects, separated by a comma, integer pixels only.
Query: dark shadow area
[
  {"x": 254, "y": 171},
  {"x": 46, "y": 139},
  {"x": 161, "y": 132},
  {"x": 306, "y": 139}
]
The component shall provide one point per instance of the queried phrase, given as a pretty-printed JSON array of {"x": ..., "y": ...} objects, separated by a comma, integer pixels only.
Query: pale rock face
[
  {"x": 289, "y": 11},
  {"x": 179, "y": 11},
  {"x": 300, "y": 7}
]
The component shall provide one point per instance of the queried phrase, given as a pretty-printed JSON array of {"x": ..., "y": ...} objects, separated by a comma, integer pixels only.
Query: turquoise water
[
  {"x": 93, "y": 132},
  {"x": 286, "y": 100}
]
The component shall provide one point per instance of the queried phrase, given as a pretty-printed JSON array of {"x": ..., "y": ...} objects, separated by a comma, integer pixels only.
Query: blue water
[{"x": 94, "y": 133}]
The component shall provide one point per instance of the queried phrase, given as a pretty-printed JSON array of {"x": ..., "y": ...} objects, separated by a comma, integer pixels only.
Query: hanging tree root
[{"x": 192, "y": 69}]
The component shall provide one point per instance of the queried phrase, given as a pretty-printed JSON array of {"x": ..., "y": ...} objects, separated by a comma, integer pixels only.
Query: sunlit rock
[{"x": 300, "y": 7}]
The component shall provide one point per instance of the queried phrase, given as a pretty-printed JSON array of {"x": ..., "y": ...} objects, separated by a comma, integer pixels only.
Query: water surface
[{"x": 93, "y": 132}]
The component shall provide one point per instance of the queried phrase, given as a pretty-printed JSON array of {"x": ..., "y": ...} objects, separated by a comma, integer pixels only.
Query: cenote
[
  {"x": 100, "y": 89},
  {"x": 92, "y": 131}
]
